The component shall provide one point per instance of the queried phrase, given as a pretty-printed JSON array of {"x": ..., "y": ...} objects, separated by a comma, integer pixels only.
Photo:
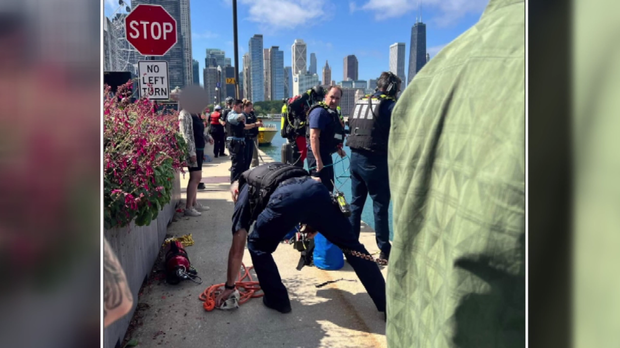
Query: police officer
[
  {"x": 235, "y": 141},
  {"x": 295, "y": 198},
  {"x": 326, "y": 135},
  {"x": 224, "y": 116},
  {"x": 370, "y": 128},
  {"x": 252, "y": 123}
]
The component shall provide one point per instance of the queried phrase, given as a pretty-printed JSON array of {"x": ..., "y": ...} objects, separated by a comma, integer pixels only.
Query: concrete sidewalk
[{"x": 340, "y": 314}]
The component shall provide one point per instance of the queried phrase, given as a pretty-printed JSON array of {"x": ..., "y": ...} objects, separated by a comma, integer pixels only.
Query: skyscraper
[
  {"x": 179, "y": 57},
  {"x": 195, "y": 72},
  {"x": 417, "y": 54},
  {"x": 327, "y": 75},
  {"x": 350, "y": 67},
  {"x": 256, "y": 68},
  {"x": 211, "y": 77},
  {"x": 428, "y": 57},
  {"x": 397, "y": 62},
  {"x": 267, "y": 73},
  {"x": 276, "y": 57},
  {"x": 288, "y": 82},
  {"x": 186, "y": 34},
  {"x": 312, "y": 68},
  {"x": 299, "y": 57},
  {"x": 215, "y": 57},
  {"x": 247, "y": 76}
]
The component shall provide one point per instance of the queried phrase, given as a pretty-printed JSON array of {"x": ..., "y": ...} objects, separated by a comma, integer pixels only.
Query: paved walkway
[{"x": 340, "y": 314}]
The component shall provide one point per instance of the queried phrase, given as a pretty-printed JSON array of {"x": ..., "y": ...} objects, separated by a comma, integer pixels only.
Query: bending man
[{"x": 296, "y": 198}]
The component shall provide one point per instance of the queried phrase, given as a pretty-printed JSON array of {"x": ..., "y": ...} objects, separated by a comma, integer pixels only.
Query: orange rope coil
[{"x": 247, "y": 289}]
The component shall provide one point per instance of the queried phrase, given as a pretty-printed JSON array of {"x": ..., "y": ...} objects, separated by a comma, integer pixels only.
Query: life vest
[
  {"x": 263, "y": 180},
  {"x": 215, "y": 118},
  {"x": 369, "y": 129},
  {"x": 333, "y": 135}
]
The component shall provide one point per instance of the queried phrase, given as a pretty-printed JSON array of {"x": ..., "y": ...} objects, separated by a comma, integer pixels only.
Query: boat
[{"x": 266, "y": 133}]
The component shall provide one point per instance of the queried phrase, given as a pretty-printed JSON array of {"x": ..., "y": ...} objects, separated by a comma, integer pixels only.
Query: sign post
[{"x": 154, "y": 83}]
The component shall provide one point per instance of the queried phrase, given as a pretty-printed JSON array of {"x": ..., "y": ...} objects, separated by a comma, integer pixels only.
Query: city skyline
[{"x": 442, "y": 28}]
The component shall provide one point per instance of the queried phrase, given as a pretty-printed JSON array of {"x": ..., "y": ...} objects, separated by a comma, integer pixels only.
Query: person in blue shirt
[{"x": 326, "y": 135}]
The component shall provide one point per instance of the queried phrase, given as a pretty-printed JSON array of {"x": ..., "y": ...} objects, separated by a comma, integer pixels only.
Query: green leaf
[{"x": 132, "y": 343}]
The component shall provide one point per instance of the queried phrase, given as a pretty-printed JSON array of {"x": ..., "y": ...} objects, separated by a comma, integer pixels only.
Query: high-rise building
[
  {"x": 256, "y": 68},
  {"x": 276, "y": 58},
  {"x": 360, "y": 84},
  {"x": 299, "y": 57},
  {"x": 267, "y": 73},
  {"x": 303, "y": 82},
  {"x": 288, "y": 82},
  {"x": 247, "y": 76},
  {"x": 211, "y": 77},
  {"x": 327, "y": 75},
  {"x": 312, "y": 68},
  {"x": 179, "y": 57},
  {"x": 397, "y": 61},
  {"x": 195, "y": 72},
  {"x": 347, "y": 102},
  {"x": 240, "y": 82},
  {"x": 428, "y": 57},
  {"x": 350, "y": 67},
  {"x": 227, "y": 62},
  {"x": 417, "y": 54},
  {"x": 346, "y": 84},
  {"x": 186, "y": 34},
  {"x": 215, "y": 58},
  {"x": 110, "y": 47},
  {"x": 372, "y": 84}
]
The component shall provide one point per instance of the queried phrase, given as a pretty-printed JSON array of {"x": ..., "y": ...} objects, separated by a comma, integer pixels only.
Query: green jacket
[{"x": 456, "y": 166}]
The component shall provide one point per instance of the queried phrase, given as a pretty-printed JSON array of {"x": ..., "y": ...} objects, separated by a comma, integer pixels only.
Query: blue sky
[{"x": 331, "y": 29}]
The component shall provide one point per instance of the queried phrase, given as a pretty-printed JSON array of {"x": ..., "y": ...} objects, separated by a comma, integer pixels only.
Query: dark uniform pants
[
  {"x": 236, "y": 149},
  {"x": 307, "y": 201},
  {"x": 369, "y": 176}
]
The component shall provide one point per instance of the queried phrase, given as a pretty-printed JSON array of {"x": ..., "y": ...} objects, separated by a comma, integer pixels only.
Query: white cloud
[
  {"x": 435, "y": 49},
  {"x": 205, "y": 35},
  {"x": 352, "y": 7},
  {"x": 275, "y": 15},
  {"x": 449, "y": 10}
]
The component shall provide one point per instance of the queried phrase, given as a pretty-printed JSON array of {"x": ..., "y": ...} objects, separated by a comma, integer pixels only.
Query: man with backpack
[{"x": 277, "y": 197}]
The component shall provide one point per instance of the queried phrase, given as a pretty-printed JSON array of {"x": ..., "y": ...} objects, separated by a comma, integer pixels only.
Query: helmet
[
  {"x": 319, "y": 91},
  {"x": 229, "y": 100}
]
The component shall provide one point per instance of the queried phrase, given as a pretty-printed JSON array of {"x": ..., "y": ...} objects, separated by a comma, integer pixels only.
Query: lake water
[{"x": 341, "y": 169}]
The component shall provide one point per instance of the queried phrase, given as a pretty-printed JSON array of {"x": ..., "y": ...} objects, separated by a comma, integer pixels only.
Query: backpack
[
  {"x": 263, "y": 180},
  {"x": 296, "y": 113}
]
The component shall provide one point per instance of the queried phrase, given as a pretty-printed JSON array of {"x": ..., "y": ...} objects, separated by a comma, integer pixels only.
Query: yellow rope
[{"x": 186, "y": 240}]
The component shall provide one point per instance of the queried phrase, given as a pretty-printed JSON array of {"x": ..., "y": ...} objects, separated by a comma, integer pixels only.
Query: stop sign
[{"x": 151, "y": 30}]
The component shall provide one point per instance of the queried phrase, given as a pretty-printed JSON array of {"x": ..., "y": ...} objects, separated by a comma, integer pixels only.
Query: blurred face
[
  {"x": 248, "y": 108},
  {"x": 237, "y": 108},
  {"x": 332, "y": 98}
]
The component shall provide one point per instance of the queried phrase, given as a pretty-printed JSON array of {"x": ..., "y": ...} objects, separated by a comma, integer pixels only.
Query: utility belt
[{"x": 235, "y": 144}]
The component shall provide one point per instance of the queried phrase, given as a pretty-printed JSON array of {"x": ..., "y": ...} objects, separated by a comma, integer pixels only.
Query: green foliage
[{"x": 268, "y": 107}]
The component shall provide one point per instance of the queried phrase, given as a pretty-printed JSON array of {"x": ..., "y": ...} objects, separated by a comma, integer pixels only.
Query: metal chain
[{"x": 381, "y": 262}]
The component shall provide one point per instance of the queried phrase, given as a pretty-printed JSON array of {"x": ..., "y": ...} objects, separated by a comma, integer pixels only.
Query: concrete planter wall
[{"x": 137, "y": 248}]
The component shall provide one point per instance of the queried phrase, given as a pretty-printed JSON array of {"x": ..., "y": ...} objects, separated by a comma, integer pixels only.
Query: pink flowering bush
[{"x": 142, "y": 150}]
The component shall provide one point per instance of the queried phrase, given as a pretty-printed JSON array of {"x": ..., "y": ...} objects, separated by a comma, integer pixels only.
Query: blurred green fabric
[{"x": 457, "y": 176}]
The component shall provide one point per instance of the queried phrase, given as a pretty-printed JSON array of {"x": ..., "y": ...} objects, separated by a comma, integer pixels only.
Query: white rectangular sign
[{"x": 154, "y": 83}]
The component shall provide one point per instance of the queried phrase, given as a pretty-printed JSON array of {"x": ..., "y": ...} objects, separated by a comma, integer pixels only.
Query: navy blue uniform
[{"x": 300, "y": 200}]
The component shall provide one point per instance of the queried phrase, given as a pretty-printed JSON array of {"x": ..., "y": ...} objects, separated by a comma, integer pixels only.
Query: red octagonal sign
[{"x": 151, "y": 30}]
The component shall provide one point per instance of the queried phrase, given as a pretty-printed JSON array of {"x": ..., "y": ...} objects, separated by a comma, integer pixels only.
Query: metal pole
[{"x": 236, "y": 49}]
